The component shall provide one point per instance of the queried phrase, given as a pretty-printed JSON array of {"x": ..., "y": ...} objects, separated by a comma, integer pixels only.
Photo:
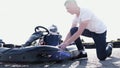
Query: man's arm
[
  {"x": 81, "y": 28},
  {"x": 69, "y": 35}
]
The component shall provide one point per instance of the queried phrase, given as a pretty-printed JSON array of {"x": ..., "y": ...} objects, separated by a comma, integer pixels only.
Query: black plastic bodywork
[{"x": 34, "y": 54}]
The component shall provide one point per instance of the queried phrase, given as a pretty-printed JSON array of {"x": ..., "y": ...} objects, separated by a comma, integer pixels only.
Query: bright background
[{"x": 19, "y": 17}]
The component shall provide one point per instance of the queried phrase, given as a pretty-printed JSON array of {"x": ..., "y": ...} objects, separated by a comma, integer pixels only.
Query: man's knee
[
  {"x": 73, "y": 30},
  {"x": 102, "y": 57}
]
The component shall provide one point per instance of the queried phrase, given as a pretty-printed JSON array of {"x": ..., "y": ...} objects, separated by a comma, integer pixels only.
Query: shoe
[
  {"x": 109, "y": 49},
  {"x": 82, "y": 55}
]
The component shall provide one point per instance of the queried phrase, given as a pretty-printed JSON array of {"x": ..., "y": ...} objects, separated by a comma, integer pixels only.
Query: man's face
[{"x": 71, "y": 7}]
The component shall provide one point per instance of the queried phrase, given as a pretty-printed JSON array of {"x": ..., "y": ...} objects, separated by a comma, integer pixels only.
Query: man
[{"x": 86, "y": 24}]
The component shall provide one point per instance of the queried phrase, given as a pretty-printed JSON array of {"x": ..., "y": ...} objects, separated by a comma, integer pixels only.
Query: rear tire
[{"x": 9, "y": 45}]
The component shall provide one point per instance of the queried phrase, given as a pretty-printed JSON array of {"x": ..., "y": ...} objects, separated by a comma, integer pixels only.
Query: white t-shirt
[{"x": 95, "y": 24}]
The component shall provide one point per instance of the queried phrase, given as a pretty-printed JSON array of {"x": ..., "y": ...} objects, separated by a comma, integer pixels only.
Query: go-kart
[{"x": 34, "y": 51}]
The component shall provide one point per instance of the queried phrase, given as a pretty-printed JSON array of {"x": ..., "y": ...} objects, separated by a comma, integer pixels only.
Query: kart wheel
[{"x": 9, "y": 45}]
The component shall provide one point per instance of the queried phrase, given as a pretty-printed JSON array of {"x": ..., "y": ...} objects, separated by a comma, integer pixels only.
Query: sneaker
[
  {"x": 82, "y": 55},
  {"x": 109, "y": 49}
]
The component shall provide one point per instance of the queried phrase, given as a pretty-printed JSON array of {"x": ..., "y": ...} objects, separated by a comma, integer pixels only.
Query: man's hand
[{"x": 62, "y": 46}]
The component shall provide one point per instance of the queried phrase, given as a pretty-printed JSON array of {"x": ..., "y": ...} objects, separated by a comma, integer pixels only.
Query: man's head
[
  {"x": 69, "y": 1},
  {"x": 71, "y": 6}
]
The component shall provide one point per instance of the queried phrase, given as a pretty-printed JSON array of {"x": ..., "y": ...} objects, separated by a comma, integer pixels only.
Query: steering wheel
[{"x": 42, "y": 29}]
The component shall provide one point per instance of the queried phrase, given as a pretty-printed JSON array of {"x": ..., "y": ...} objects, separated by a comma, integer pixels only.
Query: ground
[{"x": 91, "y": 62}]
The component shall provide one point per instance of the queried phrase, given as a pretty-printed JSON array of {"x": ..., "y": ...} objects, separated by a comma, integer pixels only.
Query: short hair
[{"x": 68, "y": 1}]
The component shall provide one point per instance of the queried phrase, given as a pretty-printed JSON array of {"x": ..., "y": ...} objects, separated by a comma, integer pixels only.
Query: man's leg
[
  {"x": 103, "y": 51},
  {"x": 78, "y": 41},
  {"x": 100, "y": 42},
  {"x": 109, "y": 49}
]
